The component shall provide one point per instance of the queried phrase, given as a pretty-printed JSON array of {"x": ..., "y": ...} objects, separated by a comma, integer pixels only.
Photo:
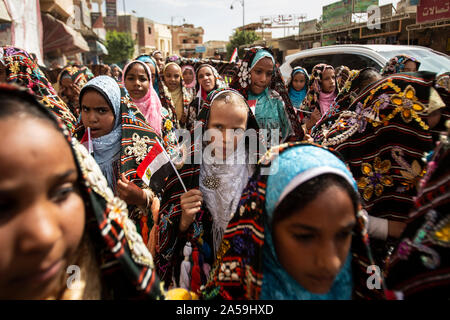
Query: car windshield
[{"x": 429, "y": 61}]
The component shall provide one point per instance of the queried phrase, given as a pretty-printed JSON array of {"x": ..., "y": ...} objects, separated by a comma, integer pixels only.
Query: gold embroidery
[{"x": 139, "y": 148}]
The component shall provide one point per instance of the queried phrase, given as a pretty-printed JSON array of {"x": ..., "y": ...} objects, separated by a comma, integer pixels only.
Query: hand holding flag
[
  {"x": 156, "y": 167},
  {"x": 130, "y": 192}
]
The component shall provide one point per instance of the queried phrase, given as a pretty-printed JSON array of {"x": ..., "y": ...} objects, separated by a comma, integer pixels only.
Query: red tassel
[
  {"x": 144, "y": 229},
  {"x": 195, "y": 272}
]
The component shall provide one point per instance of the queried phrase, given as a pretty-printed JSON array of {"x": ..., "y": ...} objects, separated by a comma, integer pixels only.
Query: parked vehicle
[{"x": 361, "y": 56}]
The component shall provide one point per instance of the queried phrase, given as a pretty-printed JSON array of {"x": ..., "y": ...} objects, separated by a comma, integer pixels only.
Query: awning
[
  {"x": 101, "y": 49},
  {"x": 97, "y": 47},
  {"x": 4, "y": 16},
  {"x": 57, "y": 35}
]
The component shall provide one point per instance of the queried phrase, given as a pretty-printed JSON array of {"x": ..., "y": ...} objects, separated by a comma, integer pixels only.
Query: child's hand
[
  {"x": 191, "y": 203},
  {"x": 316, "y": 115},
  {"x": 130, "y": 192}
]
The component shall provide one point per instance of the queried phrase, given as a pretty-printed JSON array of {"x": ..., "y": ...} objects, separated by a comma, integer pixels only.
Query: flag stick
[
  {"x": 173, "y": 166},
  {"x": 90, "y": 146}
]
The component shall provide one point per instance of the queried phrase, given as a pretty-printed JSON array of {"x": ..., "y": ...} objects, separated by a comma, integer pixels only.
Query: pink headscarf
[
  {"x": 194, "y": 82},
  {"x": 149, "y": 105}
]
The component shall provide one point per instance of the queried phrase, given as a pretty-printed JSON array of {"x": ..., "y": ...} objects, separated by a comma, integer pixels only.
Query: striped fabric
[
  {"x": 22, "y": 70},
  {"x": 382, "y": 136},
  {"x": 170, "y": 244},
  {"x": 420, "y": 266},
  {"x": 137, "y": 139}
]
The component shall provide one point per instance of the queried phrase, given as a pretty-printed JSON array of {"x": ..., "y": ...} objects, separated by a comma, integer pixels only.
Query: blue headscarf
[
  {"x": 107, "y": 148},
  {"x": 147, "y": 59},
  {"x": 297, "y": 97},
  {"x": 260, "y": 55},
  {"x": 292, "y": 168}
]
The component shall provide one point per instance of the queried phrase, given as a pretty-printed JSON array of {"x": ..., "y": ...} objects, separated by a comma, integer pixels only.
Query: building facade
[
  {"x": 146, "y": 34},
  {"x": 187, "y": 40},
  {"x": 163, "y": 39}
]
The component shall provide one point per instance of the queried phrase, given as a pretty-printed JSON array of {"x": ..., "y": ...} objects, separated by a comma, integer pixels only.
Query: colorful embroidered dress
[
  {"x": 169, "y": 252},
  {"x": 22, "y": 70},
  {"x": 247, "y": 266},
  {"x": 136, "y": 138},
  {"x": 420, "y": 265},
  {"x": 382, "y": 137}
]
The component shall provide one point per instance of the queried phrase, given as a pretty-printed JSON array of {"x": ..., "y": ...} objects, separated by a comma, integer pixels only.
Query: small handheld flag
[
  {"x": 234, "y": 55},
  {"x": 90, "y": 145},
  {"x": 156, "y": 167}
]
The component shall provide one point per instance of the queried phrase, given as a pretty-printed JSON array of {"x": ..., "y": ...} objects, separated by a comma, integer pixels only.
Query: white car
[{"x": 357, "y": 56}]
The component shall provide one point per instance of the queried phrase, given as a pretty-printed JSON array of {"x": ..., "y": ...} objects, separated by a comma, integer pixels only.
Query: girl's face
[
  {"x": 328, "y": 81},
  {"x": 159, "y": 61},
  {"x": 67, "y": 90},
  {"x": 96, "y": 114},
  {"x": 206, "y": 79},
  {"x": 410, "y": 66},
  {"x": 313, "y": 244},
  {"x": 172, "y": 77},
  {"x": 108, "y": 71},
  {"x": 299, "y": 81},
  {"x": 116, "y": 72},
  {"x": 227, "y": 122},
  {"x": 261, "y": 75},
  {"x": 137, "y": 82},
  {"x": 42, "y": 213},
  {"x": 188, "y": 76}
]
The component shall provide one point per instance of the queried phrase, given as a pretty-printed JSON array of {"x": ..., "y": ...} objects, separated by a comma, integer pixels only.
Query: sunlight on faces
[
  {"x": 312, "y": 244},
  {"x": 188, "y": 76},
  {"x": 328, "y": 81},
  {"x": 410, "y": 66},
  {"x": 226, "y": 126},
  {"x": 261, "y": 75},
  {"x": 96, "y": 114},
  {"x": 299, "y": 81},
  {"x": 172, "y": 77},
  {"x": 136, "y": 81},
  {"x": 42, "y": 213},
  {"x": 206, "y": 79}
]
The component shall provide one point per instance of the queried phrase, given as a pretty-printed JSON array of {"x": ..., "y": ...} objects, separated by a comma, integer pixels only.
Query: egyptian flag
[
  {"x": 155, "y": 168},
  {"x": 86, "y": 141},
  {"x": 234, "y": 56}
]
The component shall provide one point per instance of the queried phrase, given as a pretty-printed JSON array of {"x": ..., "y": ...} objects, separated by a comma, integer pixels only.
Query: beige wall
[{"x": 62, "y": 7}]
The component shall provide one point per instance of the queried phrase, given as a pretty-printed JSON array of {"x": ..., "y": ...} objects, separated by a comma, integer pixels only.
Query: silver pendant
[{"x": 211, "y": 182}]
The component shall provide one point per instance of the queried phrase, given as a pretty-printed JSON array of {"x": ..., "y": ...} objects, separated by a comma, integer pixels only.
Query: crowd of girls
[{"x": 358, "y": 177}]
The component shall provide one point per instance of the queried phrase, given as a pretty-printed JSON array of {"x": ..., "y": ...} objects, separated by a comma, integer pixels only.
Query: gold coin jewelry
[{"x": 211, "y": 182}]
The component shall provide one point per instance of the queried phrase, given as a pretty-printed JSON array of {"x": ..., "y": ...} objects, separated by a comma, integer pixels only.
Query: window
[
  {"x": 309, "y": 62},
  {"x": 149, "y": 30},
  {"x": 185, "y": 41},
  {"x": 353, "y": 61},
  {"x": 195, "y": 41}
]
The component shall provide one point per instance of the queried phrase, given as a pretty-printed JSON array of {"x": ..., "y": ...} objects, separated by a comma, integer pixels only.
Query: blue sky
[{"x": 216, "y": 17}]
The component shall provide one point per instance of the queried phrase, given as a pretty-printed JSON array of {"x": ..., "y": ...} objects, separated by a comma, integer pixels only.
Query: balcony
[{"x": 62, "y": 8}]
